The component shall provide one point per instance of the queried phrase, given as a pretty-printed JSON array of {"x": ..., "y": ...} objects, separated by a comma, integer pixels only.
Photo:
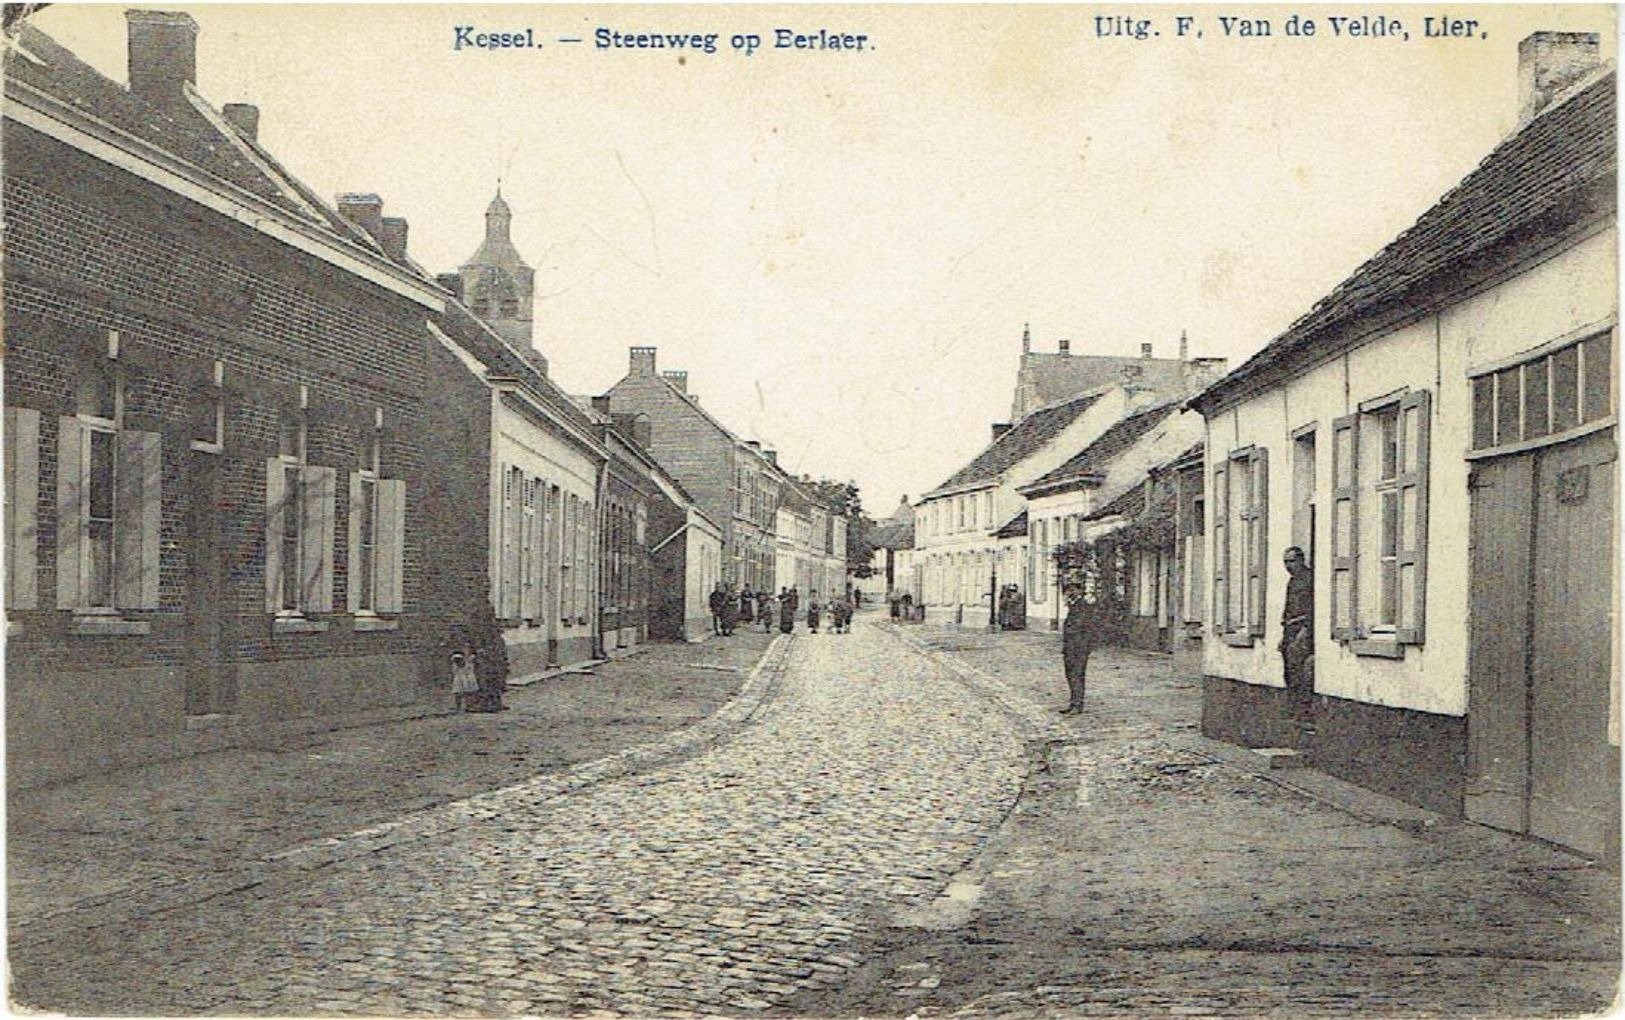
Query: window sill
[
  {"x": 1238, "y": 640},
  {"x": 1377, "y": 649},
  {"x": 113, "y": 626},
  {"x": 370, "y": 624},
  {"x": 297, "y": 625}
]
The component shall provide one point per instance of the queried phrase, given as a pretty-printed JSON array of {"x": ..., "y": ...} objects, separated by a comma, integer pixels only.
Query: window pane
[
  {"x": 1508, "y": 429},
  {"x": 1598, "y": 377},
  {"x": 99, "y": 568},
  {"x": 293, "y": 504},
  {"x": 1483, "y": 412},
  {"x": 368, "y": 510},
  {"x": 1390, "y": 523},
  {"x": 288, "y": 437},
  {"x": 100, "y": 478},
  {"x": 1536, "y": 415},
  {"x": 1390, "y": 443},
  {"x": 1566, "y": 389}
]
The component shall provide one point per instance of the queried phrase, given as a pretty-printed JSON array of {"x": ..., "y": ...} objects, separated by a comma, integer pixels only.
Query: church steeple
[{"x": 497, "y": 283}]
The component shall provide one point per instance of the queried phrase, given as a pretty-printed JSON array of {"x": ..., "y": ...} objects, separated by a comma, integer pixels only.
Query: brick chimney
[
  {"x": 162, "y": 54},
  {"x": 1145, "y": 351},
  {"x": 245, "y": 117},
  {"x": 1548, "y": 63},
  {"x": 365, "y": 210},
  {"x": 643, "y": 361},
  {"x": 1066, "y": 348},
  {"x": 677, "y": 378},
  {"x": 393, "y": 237}
]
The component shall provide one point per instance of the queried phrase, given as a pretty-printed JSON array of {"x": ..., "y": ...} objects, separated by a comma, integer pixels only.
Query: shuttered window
[
  {"x": 109, "y": 507},
  {"x": 1241, "y": 543},
  {"x": 1221, "y": 548},
  {"x": 1380, "y": 521},
  {"x": 300, "y": 502}
]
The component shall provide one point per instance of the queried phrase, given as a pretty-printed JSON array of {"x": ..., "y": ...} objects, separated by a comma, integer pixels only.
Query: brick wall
[{"x": 91, "y": 249}]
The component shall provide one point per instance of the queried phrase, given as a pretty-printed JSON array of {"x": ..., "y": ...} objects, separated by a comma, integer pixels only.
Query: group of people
[{"x": 729, "y": 608}]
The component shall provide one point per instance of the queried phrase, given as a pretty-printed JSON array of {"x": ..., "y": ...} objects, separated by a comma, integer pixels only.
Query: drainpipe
[{"x": 598, "y": 650}]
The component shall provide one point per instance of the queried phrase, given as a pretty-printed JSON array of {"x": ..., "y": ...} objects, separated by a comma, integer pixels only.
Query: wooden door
[
  {"x": 1573, "y": 790},
  {"x": 1498, "y": 643},
  {"x": 210, "y": 679}
]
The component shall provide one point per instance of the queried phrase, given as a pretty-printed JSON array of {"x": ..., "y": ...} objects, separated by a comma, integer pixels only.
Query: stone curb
[{"x": 759, "y": 687}]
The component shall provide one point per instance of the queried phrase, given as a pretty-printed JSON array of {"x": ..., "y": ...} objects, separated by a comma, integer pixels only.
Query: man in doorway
[{"x": 1298, "y": 635}]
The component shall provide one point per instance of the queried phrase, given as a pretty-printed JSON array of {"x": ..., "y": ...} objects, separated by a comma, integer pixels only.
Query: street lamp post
[{"x": 993, "y": 595}]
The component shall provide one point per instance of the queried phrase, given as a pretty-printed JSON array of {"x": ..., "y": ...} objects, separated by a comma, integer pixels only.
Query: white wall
[{"x": 1544, "y": 303}]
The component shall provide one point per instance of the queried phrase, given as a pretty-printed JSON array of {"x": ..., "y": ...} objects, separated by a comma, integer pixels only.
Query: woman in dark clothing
[
  {"x": 814, "y": 611},
  {"x": 787, "y": 612},
  {"x": 764, "y": 609},
  {"x": 747, "y": 604}
]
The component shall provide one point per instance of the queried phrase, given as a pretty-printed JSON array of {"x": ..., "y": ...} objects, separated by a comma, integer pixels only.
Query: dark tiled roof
[
  {"x": 1095, "y": 457},
  {"x": 893, "y": 534},
  {"x": 1028, "y": 436},
  {"x": 505, "y": 359},
  {"x": 1127, "y": 503},
  {"x": 176, "y": 128},
  {"x": 1015, "y": 527},
  {"x": 1534, "y": 184}
]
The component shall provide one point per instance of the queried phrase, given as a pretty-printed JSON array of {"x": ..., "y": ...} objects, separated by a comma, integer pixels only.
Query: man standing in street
[
  {"x": 719, "y": 598},
  {"x": 1298, "y": 635},
  {"x": 1077, "y": 641}
]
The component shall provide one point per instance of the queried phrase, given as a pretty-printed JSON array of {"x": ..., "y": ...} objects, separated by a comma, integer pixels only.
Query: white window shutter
[
  {"x": 70, "y": 511},
  {"x": 1345, "y": 527},
  {"x": 1414, "y": 422},
  {"x": 1221, "y": 548},
  {"x": 138, "y": 506},
  {"x": 316, "y": 538},
  {"x": 22, "y": 508},
  {"x": 1259, "y": 523},
  {"x": 276, "y": 509},
  {"x": 391, "y": 543},
  {"x": 352, "y": 559}
]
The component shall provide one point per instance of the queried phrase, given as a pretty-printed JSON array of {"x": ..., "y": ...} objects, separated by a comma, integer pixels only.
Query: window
[
  {"x": 1240, "y": 544},
  {"x": 108, "y": 501},
  {"x": 1303, "y": 493},
  {"x": 1189, "y": 510},
  {"x": 299, "y": 501},
  {"x": 377, "y": 529},
  {"x": 1379, "y": 490},
  {"x": 1547, "y": 395},
  {"x": 208, "y": 414}
]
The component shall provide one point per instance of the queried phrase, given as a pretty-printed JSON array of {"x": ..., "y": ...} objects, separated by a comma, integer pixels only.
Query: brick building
[
  {"x": 1045, "y": 378},
  {"x": 214, "y": 477},
  {"x": 735, "y": 482}
]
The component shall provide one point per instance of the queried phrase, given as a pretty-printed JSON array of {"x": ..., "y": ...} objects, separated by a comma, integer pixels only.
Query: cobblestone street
[{"x": 721, "y": 884}]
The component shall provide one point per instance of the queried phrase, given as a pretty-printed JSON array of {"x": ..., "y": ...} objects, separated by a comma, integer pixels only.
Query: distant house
[
  {"x": 956, "y": 551},
  {"x": 892, "y": 537},
  {"x": 1438, "y": 434},
  {"x": 735, "y": 482},
  {"x": 525, "y": 469},
  {"x": 810, "y": 550},
  {"x": 217, "y": 481},
  {"x": 1045, "y": 378},
  {"x": 1061, "y": 500}
]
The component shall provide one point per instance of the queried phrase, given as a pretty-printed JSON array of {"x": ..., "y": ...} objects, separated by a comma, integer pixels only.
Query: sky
[{"x": 841, "y": 247}]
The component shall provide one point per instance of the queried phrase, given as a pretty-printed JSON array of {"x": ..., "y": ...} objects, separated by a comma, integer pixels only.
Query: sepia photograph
[{"x": 828, "y": 511}]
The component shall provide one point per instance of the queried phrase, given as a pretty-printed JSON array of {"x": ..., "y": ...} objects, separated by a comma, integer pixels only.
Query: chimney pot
[
  {"x": 1066, "y": 347},
  {"x": 162, "y": 48},
  {"x": 245, "y": 117},
  {"x": 1145, "y": 350},
  {"x": 677, "y": 378},
  {"x": 643, "y": 361},
  {"x": 394, "y": 237},
  {"x": 365, "y": 210},
  {"x": 600, "y": 403},
  {"x": 1548, "y": 63},
  {"x": 1000, "y": 428}
]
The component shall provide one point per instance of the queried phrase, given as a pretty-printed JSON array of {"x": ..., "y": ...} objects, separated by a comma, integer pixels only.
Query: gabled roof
[
  {"x": 1125, "y": 504},
  {"x": 1093, "y": 460},
  {"x": 893, "y": 534},
  {"x": 1539, "y": 182},
  {"x": 1024, "y": 439},
  {"x": 195, "y": 136}
]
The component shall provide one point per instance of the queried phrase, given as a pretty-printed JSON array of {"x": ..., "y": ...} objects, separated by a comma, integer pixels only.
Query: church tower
[{"x": 497, "y": 284}]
